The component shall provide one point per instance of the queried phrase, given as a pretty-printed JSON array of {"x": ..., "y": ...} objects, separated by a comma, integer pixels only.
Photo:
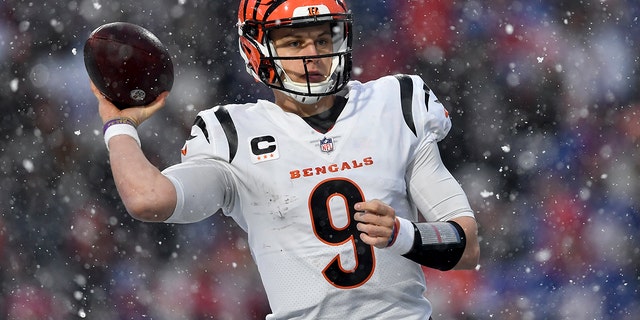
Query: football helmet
[{"x": 257, "y": 18}]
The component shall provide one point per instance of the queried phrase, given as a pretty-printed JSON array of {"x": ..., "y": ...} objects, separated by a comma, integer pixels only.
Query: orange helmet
[{"x": 256, "y": 18}]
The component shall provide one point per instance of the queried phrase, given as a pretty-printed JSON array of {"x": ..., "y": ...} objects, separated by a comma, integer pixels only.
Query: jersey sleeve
[
  {"x": 430, "y": 116},
  {"x": 206, "y": 153},
  {"x": 435, "y": 192},
  {"x": 212, "y": 136},
  {"x": 199, "y": 198}
]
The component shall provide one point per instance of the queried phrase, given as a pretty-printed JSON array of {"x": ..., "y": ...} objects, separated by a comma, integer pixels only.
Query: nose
[{"x": 310, "y": 48}]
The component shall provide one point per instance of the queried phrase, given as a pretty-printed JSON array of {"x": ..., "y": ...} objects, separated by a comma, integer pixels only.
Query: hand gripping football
[{"x": 128, "y": 64}]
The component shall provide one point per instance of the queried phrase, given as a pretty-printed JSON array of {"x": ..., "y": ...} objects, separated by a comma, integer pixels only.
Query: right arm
[{"x": 147, "y": 194}]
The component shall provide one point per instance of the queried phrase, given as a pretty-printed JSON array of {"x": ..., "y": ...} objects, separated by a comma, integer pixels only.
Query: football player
[{"x": 328, "y": 179}]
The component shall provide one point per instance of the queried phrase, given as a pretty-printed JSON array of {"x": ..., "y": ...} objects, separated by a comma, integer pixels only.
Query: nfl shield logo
[{"x": 326, "y": 144}]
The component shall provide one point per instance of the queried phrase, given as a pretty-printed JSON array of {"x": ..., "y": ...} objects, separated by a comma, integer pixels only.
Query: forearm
[
  {"x": 146, "y": 193},
  {"x": 438, "y": 245},
  {"x": 470, "y": 257}
]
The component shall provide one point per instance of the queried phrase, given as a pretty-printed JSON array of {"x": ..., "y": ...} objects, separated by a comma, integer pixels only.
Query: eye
[
  {"x": 322, "y": 42},
  {"x": 288, "y": 43},
  {"x": 293, "y": 44}
]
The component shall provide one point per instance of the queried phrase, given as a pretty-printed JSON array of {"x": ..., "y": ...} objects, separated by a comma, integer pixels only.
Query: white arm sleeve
[
  {"x": 203, "y": 187},
  {"x": 433, "y": 189}
]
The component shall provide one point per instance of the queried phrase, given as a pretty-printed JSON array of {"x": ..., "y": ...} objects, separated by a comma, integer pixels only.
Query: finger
[
  {"x": 147, "y": 111},
  {"x": 368, "y": 217},
  {"x": 377, "y": 242},
  {"x": 374, "y": 206},
  {"x": 373, "y": 230},
  {"x": 159, "y": 102}
]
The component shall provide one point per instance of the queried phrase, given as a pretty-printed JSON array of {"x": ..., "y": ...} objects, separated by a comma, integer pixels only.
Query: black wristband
[{"x": 437, "y": 245}]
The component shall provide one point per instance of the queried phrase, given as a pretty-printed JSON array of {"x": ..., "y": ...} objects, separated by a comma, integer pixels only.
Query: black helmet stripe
[{"x": 272, "y": 7}]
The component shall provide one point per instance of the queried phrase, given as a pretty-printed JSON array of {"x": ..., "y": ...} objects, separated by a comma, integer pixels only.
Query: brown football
[{"x": 128, "y": 64}]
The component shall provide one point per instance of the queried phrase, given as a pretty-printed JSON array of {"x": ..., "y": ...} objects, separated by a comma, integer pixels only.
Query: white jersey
[{"x": 293, "y": 189}]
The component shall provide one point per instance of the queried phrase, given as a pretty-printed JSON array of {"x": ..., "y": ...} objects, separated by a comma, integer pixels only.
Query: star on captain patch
[{"x": 326, "y": 144}]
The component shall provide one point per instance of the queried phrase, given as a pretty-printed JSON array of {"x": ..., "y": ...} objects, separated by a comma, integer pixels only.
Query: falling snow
[
  {"x": 13, "y": 84},
  {"x": 545, "y": 106}
]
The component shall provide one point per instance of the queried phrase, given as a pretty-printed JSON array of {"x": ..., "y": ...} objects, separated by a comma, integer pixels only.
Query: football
[{"x": 128, "y": 64}]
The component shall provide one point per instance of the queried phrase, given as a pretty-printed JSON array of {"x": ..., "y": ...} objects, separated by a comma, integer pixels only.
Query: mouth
[{"x": 314, "y": 76}]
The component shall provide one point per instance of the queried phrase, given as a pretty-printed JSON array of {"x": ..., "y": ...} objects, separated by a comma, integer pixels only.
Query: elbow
[
  {"x": 143, "y": 213},
  {"x": 470, "y": 258},
  {"x": 147, "y": 208},
  {"x": 471, "y": 255}
]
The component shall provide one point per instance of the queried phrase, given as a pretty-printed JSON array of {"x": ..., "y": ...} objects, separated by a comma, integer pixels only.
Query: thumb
[{"x": 154, "y": 106}]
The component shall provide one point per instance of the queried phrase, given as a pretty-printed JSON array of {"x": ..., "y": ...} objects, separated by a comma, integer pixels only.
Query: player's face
[{"x": 307, "y": 41}]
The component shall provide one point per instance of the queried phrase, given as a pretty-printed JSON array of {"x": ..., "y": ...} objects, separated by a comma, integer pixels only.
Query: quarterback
[{"x": 339, "y": 184}]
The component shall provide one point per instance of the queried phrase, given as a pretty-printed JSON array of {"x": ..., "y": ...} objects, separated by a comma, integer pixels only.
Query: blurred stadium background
[{"x": 544, "y": 96}]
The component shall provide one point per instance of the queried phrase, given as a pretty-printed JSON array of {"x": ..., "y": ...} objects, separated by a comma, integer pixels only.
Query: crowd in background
[{"x": 545, "y": 102}]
